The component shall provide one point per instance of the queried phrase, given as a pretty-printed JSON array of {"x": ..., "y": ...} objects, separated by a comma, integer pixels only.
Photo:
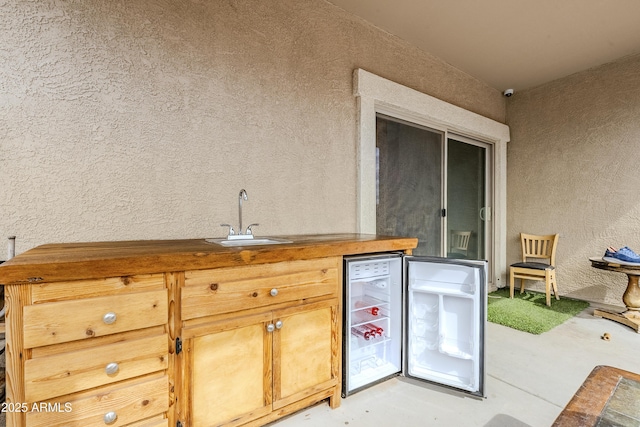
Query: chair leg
[
  {"x": 511, "y": 283},
  {"x": 547, "y": 286},
  {"x": 521, "y": 286},
  {"x": 554, "y": 284}
]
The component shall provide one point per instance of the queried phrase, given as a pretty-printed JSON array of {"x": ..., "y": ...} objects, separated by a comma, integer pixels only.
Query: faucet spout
[{"x": 241, "y": 196}]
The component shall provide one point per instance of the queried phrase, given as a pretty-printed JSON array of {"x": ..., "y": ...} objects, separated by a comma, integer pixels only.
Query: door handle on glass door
[{"x": 485, "y": 213}]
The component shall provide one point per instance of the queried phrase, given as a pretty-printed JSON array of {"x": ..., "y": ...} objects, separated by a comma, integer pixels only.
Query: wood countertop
[{"x": 72, "y": 261}]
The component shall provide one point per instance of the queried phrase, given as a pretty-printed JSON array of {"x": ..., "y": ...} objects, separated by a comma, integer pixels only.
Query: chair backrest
[
  {"x": 540, "y": 247},
  {"x": 459, "y": 241}
]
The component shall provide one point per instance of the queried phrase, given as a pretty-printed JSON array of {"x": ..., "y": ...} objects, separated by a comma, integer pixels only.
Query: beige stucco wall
[
  {"x": 142, "y": 119},
  {"x": 572, "y": 168}
]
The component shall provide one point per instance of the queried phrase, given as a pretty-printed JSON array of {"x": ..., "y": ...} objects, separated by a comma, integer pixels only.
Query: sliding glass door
[
  {"x": 467, "y": 206},
  {"x": 433, "y": 186},
  {"x": 409, "y": 183}
]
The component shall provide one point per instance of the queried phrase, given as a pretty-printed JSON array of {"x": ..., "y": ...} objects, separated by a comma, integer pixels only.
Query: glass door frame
[{"x": 489, "y": 172}]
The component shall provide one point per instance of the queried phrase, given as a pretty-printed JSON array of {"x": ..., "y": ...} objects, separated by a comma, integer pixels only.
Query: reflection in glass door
[
  {"x": 409, "y": 184},
  {"x": 434, "y": 191},
  {"x": 467, "y": 209}
]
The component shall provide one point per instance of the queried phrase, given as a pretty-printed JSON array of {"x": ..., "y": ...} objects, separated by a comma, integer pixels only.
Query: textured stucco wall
[
  {"x": 572, "y": 168},
  {"x": 142, "y": 119}
]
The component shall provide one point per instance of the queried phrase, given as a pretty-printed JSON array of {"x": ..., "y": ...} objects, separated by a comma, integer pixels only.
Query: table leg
[{"x": 631, "y": 299}]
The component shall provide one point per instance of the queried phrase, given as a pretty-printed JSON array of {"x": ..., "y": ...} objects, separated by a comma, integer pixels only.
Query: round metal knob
[
  {"x": 109, "y": 318},
  {"x": 111, "y": 368},
  {"x": 274, "y": 292},
  {"x": 279, "y": 324},
  {"x": 110, "y": 417},
  {"x": 271, "y": 327}
]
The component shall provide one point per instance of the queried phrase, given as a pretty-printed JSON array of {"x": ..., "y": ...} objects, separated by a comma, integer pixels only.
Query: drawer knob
[
  {"x": 271, "y": 327},
  {"x": 110, "y": 417},
  {"x": 279, "y": 324},
  {"x": 274, "y": 292},
  {"x": 111, "y": 368},
  {"x": 109, "y": 318}
]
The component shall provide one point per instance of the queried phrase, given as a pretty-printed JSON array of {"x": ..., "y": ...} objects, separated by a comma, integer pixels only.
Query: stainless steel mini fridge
[{"x": 421, "y": 317}]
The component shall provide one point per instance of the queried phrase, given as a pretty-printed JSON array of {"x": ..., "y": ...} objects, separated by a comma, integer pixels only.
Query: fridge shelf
[
  {"x": 455, "y": 348},
  {"x": 454, "y": 380},
  {"x": 379, "y": 282},
  {"x": 420, "y": 326},
  {"x": 364, "y": 317},
  {"x": 365, "y": 302},
  {"x": 425, "y": 310},
  {"x": 363, "y": 375},
  {"x": 420, "y": 344},
  {"x": 362, "y": 343},
  {"x": 443, "y": 288}
]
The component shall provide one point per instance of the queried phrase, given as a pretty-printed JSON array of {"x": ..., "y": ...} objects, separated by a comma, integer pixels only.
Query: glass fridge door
[
  {"x": 373, "y": 320},
  {"x": 445, "y": 318}
]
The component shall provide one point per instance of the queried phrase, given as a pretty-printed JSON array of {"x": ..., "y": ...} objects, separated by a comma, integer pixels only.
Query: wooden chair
[
  {"x": 538, "y": 248},
  {"x": 459, "y": 244}
]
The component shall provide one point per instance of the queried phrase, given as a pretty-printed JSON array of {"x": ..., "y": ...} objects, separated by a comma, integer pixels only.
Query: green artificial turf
[{"x": 528, "y": 312}]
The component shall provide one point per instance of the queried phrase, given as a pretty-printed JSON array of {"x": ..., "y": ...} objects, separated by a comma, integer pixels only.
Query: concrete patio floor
[{"x": 529, "y": 380}]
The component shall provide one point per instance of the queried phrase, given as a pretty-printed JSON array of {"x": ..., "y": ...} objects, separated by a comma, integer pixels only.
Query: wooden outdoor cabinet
[
  {"x": 94, "y": 352},
  {"x": 267, "y": 342},
  {"x": 175, "y": 333}
]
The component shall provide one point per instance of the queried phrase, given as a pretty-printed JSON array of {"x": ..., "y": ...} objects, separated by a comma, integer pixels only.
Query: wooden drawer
[
  {"x": 76, "y": 289},
  {"x": 64, "y": 321},
  {"x": 60, "y": 374},
  {"x": 131, "y": 401},
  {"x": 211, "y": 292}
]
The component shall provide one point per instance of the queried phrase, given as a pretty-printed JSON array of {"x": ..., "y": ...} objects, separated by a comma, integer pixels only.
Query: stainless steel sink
[{"x": 248, "y": 242}]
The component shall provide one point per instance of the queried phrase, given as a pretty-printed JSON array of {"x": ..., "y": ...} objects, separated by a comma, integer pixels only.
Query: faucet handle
[
  {"x": 249, "y": 228},
  {"x": 231, "y": 231}
]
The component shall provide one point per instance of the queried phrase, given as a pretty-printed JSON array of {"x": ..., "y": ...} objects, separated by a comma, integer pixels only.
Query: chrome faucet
[
  {"x": 241, "y": 196},
  {"x": 240, "y": 234}
]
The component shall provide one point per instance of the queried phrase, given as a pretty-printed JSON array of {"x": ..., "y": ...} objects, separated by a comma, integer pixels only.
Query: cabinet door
[
  {"x": 230, "y": 372},
  {"x": 305, "y": 351}
]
